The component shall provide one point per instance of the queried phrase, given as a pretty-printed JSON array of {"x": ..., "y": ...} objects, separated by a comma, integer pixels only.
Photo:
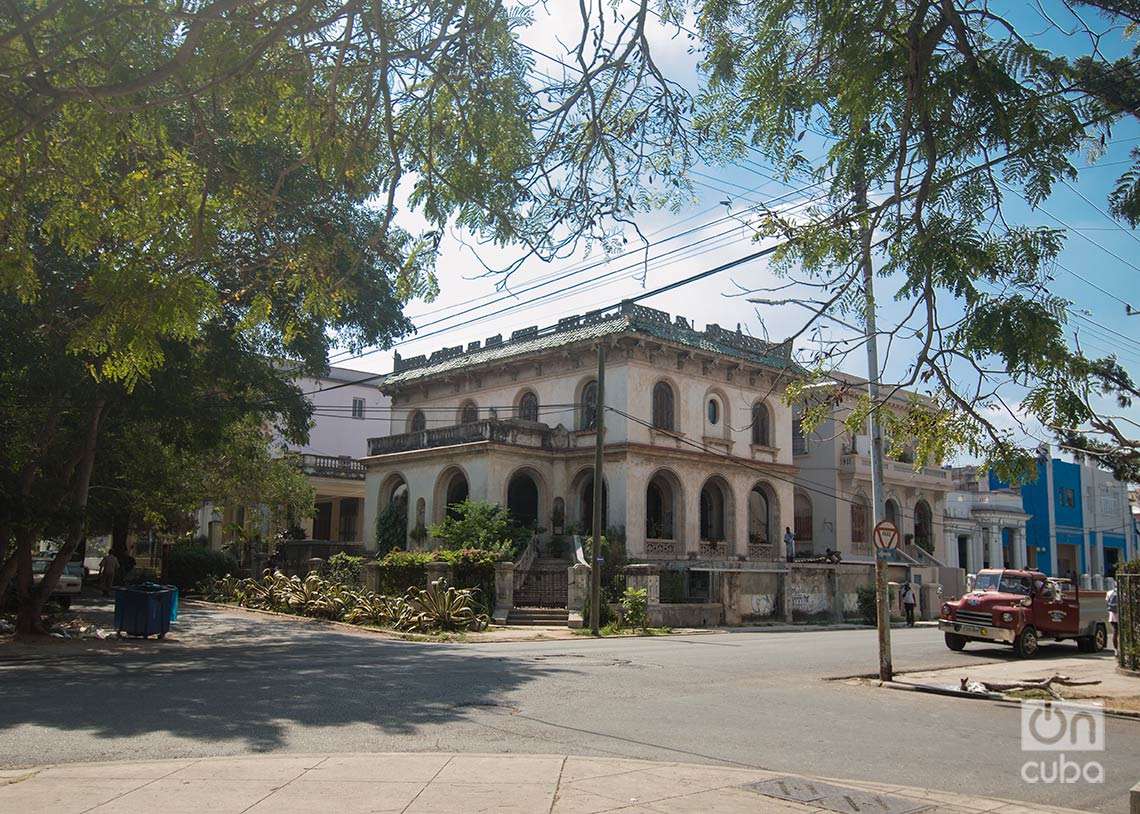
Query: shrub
[
  {"x": 189, "y": 565},
  {"x": 345, "y": 569},
  {"x": 868, "y": 604},
  {"x": 392, "y": 527},
  {"x": 481, "y": 525},
  {"x": 605, "y": 614},
  {"x": 439, "y": 607},
  {"x": 475, "y": 569},
  {"x": 436, "y": 608},
  {"x": 557, "y": 546},
  {"x": 635, "y": 608},
  {"x": 401, "y": 570}
]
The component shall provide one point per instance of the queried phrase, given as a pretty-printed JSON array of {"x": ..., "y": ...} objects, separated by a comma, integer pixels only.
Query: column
[
  {"x": 1017, "y": 547},
  {"x": 996, "y": 559},
  {"x": 951, "y": 539}
]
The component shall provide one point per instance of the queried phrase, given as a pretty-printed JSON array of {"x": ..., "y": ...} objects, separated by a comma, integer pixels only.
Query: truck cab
[{"x": 1022, "y": 608}]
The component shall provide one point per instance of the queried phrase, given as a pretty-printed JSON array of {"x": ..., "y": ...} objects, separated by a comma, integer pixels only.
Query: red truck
[{"x": 1021, "y": 608}]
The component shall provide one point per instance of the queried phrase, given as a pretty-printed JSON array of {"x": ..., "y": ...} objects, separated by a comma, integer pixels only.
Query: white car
[{"x": 70, "y": 582}]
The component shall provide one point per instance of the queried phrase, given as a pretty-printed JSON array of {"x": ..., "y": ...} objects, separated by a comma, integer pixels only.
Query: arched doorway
[
  {"x": 762, "y": 524},
  {"x": 662, "y": 501},
  {"x": 715, "y": 518},
  {"x": 522, "y": 499},
  {"x": 586, "y": 503},
  {"x": 455, "y": 491},
  {"x": 923, "y": 526},
  {"x": 392, "y": 523}
]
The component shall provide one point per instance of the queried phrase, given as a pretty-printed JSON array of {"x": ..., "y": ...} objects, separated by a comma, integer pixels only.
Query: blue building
[{"x": 1080, "y": 521}]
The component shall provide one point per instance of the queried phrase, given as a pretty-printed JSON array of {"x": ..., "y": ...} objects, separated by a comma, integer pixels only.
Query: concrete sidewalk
[
  {"x": 1118, "y": 691},
  {"x": 438, "y": 782}
]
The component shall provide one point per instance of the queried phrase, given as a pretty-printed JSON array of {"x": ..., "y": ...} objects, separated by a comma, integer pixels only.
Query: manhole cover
[
  {"x": 835, "y": 798},
  {"x": 861, "y": 802},
  {"x": 792, "y": 788}
]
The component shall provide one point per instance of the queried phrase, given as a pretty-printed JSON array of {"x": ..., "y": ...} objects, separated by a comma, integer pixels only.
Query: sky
[{"x": 1096, "y": 271}]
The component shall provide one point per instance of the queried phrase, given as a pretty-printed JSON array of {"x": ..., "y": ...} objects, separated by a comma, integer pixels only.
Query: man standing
[
  {"x": 1113, "y": 618},
  {"x": 108, "y": 568},
  {"x": 789, "y": 544},
  {"x": 909, "y": 600}
]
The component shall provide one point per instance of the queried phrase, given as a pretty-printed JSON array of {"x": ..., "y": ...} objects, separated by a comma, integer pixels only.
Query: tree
[
  {"x": 483, "y": 525},
  {"x": 171, "y": 170},
  {"x": 937, "y": 112}
]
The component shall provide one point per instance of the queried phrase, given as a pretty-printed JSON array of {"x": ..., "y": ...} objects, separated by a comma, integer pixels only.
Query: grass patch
[{"x": 613, "y": 630}]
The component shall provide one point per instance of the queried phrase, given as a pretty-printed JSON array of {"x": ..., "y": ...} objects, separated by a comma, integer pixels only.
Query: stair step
[{"x": 538, "y": 616}]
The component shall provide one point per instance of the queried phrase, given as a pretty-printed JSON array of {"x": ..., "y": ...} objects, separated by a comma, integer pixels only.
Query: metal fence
[{"x": 1128, "y": 611}]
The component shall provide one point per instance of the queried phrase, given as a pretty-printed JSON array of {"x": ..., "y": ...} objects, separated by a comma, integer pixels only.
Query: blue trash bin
[{"x": 143, "y": 610}]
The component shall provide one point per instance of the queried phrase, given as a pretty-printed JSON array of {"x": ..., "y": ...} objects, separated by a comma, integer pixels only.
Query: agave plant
[{"x": 439, "y": 607}]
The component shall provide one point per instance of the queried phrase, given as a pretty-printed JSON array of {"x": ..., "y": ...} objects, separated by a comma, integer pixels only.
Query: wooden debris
[{"x": 1049, "y": 685}]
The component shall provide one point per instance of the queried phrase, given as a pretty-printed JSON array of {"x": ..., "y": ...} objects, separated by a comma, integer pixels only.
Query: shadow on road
[{"x": 247, "y": 680}]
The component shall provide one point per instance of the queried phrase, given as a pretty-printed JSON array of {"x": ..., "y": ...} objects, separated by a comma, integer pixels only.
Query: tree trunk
[
  {"x": 7, "y": 572},
  {"x": 120, "y": 528},
  {"x": 78, "y": 523},
  {"x": 25, "y": 617}
]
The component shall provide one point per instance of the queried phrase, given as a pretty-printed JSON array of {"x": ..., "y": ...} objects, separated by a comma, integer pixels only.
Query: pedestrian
[
  {"x": 1113, "y": 618},
  {"x": 108, "y": 568},
  {"x": 909, "y": 600},
  {"x": 789, "y": 544}
]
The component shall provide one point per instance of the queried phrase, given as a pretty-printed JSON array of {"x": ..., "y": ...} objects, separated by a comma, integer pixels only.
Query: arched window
[
  {"x": 761, "y": 425},
  {"x": 714, "y": 411},
  {"x": 588, "y": 407},
  {"x": 803, "y": 518},
  {"x": 468, "y": 413},
  {"x": 528, "y": 406},
  {"x": 860, "y": 520},
  {"x": 418, "y": 422},
  {"x": 923, "y": 523},
  {"x": 892, "y": 512},
  {"x": 663, "y": 406}
]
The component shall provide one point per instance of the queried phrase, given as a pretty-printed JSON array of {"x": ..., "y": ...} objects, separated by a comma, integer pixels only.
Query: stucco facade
[
  {"x": 833, "y": 497},
  {"x": 685, "y": 472}
]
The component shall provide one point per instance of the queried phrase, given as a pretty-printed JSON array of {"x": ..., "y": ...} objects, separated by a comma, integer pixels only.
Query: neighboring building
[
  {"x": 1079, "y": 522},
  {"x": 833, "y": 495},
  {"x": 703, "y": 469},
  {"x": 1108, "y": 519},
  {"x": 985, "y": 525},
  {"x": 347, "y": 411}
]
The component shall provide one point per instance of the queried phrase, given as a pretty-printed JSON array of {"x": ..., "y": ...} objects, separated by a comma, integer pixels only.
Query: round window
[{"x": 714, "y": 411}]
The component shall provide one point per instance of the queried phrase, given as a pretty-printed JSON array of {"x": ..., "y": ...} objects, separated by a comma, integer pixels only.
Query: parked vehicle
[
  {"x": 1021, "y": 608},
  {"x": 70, "y": 583}
]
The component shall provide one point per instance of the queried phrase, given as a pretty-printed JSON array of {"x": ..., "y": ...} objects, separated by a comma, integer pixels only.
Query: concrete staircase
[
  {"x": 547, "y": 617},
  {"x": 541, "y": 598}
]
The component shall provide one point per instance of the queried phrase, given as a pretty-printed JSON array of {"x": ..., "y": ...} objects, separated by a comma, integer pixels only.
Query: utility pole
[
  {"x": 878, "y": 498},
  {"x": 599, "y": 443}
]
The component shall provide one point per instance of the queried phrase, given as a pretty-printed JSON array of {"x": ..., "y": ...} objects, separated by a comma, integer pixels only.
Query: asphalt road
[{"x": 767, "y": 700}]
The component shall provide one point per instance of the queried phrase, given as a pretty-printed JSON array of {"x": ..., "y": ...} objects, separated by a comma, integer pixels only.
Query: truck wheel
[
  {"x": 955, "y": 642},
  {"x": 1025, "y": 646},
  {"x": 1099, "y": 639}
]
